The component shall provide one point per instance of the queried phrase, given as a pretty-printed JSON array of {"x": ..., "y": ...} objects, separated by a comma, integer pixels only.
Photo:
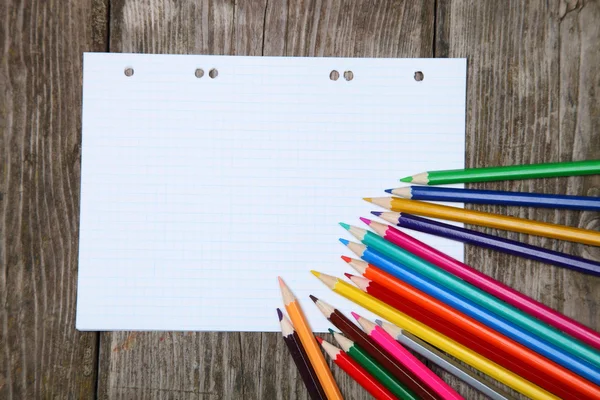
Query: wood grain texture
[
  {"x": 204, "y": 365},
  {"x": 533, "y": 96},
  {"x": 41, "y": 353}
]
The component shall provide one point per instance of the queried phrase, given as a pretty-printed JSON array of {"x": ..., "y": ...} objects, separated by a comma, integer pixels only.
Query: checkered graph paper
[{"x": 198, "y": 190}]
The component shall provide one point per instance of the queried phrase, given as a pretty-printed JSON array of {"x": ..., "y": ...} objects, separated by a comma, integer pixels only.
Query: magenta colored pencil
[
  {"x": 385, "y": 340},
  {"x": 484, "y": 282}
]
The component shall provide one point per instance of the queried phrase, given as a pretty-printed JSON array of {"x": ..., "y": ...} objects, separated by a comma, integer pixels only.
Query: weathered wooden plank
[
  {"x": 41, "y": 353},
  {"x": 532, "y": 97},
  {"x": 243, "y": 365}
]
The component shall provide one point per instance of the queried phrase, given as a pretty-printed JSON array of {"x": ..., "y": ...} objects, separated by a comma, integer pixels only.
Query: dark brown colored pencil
[
  {"x": 355, "y": 333},
  {"x": 307, "y": 372}
]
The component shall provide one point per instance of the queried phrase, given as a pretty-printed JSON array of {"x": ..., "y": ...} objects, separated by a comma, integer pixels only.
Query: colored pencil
[
  {"x": 305, "y": 368},
  {"x": 511, "y": 314},
  {"x": 505, "y": 173},
  {"x": 520, "y": 199},
  {"x": 352, "y": 331},
  {"x": 404, "y": 356},
  {"x": 356, "y": 372},
  {"x": 443, "y": 361},
  {"x": 373, "y": 367},
  {"x": 509, "y": 246},
  {"x": 309, "y": 343},
  {"x": 434, "y": 338},
  {"x": 478, "y": 337},
  {"x": 490, "y": 220},
  {"x": 477, "y": 312},
  {"x": 485, "y": 283},
  {"x": 454, "y": 332}
]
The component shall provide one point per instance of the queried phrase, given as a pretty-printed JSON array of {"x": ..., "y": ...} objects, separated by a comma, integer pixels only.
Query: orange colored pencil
[
  {"x": 310, "y": 343},
  {"x": 527, "y": 357}
]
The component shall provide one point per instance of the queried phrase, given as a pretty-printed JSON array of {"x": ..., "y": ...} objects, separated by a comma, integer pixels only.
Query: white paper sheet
[{"x": 197, "y": 193}]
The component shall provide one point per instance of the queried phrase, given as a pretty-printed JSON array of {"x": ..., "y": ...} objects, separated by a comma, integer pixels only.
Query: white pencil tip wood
[
  {"x": 343, "y": 341},
  {"x": 393, "y": 330},
  {"x": 404, "y": 192},
  {"x": 325, "y": 308},
  {"x": 357, "y": 232},
  {"x": 330, "y": 349},
  {"x": 328, "y": 280},
  {"x": 362, "y": 283},
  {"x": 391, "y": 217},
  {"x": 286, "y": 326},
  {"x": 357, "y": 248},
  {"x": 286, "y": 293},
  {"x": 359, "y": 266},
  {"x": 384, "y": 202},
  {"x": 421, "y": 179}
]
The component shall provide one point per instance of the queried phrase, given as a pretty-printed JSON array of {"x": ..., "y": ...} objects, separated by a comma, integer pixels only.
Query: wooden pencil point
[
  {"x": 367, "y": 325},
  {"x": 328, "y": 280},
  {"x": 384, "y": 202},
  {"x": 343, "y": 341},
  {"x": 359, "y": 265},
  {"x": 325, "y": 308},
  {"x": 286, "y": 293},
  {"x": 357, "y": 248},
  {"x": 404, "y": 192},
  {"x": 357, "y": 232},
  {"x": 360, "y": 282}
]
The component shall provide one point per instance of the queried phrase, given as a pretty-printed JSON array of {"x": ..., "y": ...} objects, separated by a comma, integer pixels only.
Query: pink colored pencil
[
  {"x": 484, "y": 282},
  {"x": 385, "y": 340}
]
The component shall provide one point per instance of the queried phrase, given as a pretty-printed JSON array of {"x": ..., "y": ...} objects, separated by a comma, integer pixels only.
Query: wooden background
[{"x": 533, "y": 96}]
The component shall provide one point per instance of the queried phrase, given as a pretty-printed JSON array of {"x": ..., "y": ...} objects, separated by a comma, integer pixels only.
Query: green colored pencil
[
  {"x": 488, "y": 174},
  {"x": 374, "y": 368},
  {"x": 476, "y": 295}
]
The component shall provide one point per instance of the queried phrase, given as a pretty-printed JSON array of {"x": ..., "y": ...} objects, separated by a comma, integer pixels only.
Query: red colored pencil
[
  {"x": 484, "y": 282},
  {"x": 356, "y": 372},
  {"x": 501, "y": 350},
  {"x": 357, "y": 335}
]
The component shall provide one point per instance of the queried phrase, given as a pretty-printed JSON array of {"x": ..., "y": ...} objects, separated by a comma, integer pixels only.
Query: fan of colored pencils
[{"x": 445, "y": 311}]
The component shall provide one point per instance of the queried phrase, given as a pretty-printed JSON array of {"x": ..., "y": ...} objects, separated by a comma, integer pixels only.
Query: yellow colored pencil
[
  {"x": 310, "y": 343},
  {"x": 434, "y": 338},
  {"x": 485, "y": 219}
]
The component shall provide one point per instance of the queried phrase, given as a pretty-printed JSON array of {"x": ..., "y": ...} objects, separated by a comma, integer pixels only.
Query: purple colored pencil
[
  {"x": 491, "y": 242},
  {"x": 305, "y": 368}
]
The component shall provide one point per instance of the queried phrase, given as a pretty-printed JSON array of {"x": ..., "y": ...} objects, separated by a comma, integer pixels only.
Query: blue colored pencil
[
  {"x": 429, "y": 193},
  {"x": 509, "y": 246},
  {"x": 477, "y": 312}
]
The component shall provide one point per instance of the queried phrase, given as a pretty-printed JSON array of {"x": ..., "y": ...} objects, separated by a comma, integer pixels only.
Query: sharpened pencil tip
[
  {"x": 279, "y": 314},
  {"x": 379, "y": 322},
  {"x": 389, "y": 191},
  {"x": 313, "y": 298},
  {"x": 369, "y": 199},
  {"x": 355, "y": 315},
  {"x": 344, "y": 225},
  {"x": 319, "y": 339},
  {"x": 281, "y": 282},
  {"x": 344, "y": 242},
  {"x": 349, "y": 276},
  {"x": 315, "y": 273},
  {"x": 346, "y": 258},
  {"x": 365, "y": 220},
  {"x": 377, "y": 213},
  {"x": 407, "y": 179},
  {"x": 331, "y": 331}
]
